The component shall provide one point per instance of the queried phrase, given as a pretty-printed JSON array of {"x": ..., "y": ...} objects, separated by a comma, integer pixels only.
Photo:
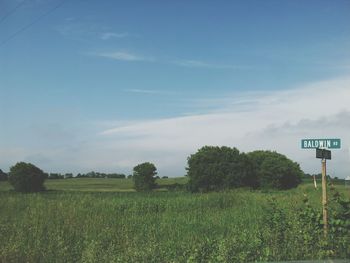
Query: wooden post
[
  {"x": 324, "y": 197},
  {"x": 315, "y": 184}
]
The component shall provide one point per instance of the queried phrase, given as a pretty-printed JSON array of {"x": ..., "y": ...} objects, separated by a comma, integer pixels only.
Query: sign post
[
  {"x": 324, "y": 155},
  {"x": 324, "y": 198},
  {"x": 321, "y": 146}
]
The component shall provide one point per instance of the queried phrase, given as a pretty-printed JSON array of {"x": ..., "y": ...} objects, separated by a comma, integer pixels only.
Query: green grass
[
  {"x": 101, "y": 220},
  {"x": 98, "y": 185}
]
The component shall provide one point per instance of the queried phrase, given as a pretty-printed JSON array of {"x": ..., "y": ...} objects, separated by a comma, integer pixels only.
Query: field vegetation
[{"x": 103, "y": 220}]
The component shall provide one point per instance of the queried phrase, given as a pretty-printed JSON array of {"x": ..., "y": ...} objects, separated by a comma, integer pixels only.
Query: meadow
[{"x": 104, "y": 220}]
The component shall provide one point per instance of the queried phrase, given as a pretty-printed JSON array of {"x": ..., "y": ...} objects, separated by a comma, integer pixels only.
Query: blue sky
[{"x": 81, "y": 84}]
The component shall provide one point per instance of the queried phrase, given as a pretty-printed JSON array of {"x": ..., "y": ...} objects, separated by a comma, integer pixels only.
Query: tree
[
  {"x": 68, "y": 176},
  {"x": 26, "y": 177},
  {"x": 55, "y": 176},
  {"x": 275, "y": 170},
  {"x": 144, "y": 176},
  {"x": 3, "y": 176},
  {"x": 216, "y": 168}
]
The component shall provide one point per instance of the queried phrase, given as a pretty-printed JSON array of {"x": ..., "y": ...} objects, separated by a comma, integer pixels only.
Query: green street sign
[{"x": 320, "y": 143}]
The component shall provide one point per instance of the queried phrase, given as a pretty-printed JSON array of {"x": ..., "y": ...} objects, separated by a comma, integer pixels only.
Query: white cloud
[
  {"x": 85, "y": 30},
  {"x": 124, "y": 56},
  {"x": 275, "y": 121},
  {"x": 127, "y": 56},
  {"x": 148, "y": 91},
  {"x": 110, "y": 35},
  {"x": 202, "y": 64}
]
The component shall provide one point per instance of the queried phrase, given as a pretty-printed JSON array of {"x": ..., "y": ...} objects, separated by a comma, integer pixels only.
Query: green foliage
[
  {"x": 100, "y": 175},
  {"x": 26, "y": 177},
  {"x": 216, "y": 168},
  {"x": 3, "y": 176},
  {"x": 339, "y": 225},
  {"x": 233, "y": 226},
  {"x": 144, "y": 176},
  {"x": 274, "y": 170}
]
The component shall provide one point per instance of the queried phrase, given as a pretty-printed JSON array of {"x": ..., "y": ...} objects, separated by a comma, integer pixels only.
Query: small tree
[
  {"x": 144, "y": 176},
  {"x": 26, "y": 177},
  {"x": 3, "y": 176}
]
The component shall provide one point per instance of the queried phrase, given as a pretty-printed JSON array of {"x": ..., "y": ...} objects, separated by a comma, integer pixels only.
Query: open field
[
  {"x": 98, "y": 185},
  {"x": 88, "y": 220}
]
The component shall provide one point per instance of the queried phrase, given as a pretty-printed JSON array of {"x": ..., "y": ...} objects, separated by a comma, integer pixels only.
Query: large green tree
[
  {"x": 26, "y": 177},
  {"x": 216, "y": 168},
  {"x": 144, "y": 176},
  {"x": 275, "y": 170}
]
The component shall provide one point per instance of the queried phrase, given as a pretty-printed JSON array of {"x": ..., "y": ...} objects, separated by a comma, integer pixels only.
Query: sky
[{"x": 105, "y": 85}]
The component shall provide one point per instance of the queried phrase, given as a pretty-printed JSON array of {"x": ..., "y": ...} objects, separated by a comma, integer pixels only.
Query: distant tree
[
  {"x": 26, "y": 177},
  {"x": 216, "y": 168},
  {"x": 129, "y": 176},
  {"x": 165, "y": 177},
  {"x": 144, "y": 176},
  {"x": 3, "y": 176},
  {"x": 115, "y": 175},
  {"x": 55, "y": 176},
  {"x": 68, "y": 175},
  {"x": 274, "y": 170}
]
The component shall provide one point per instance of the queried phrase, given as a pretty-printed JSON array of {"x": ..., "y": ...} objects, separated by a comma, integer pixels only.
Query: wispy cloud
[
  {"x": 124, "y": 56},
  {"x": 127, "y": 56},
  {"x": 203, "y": 64},
  {"x": 146, "y": 91},
  {"x": 86, "y": 30},
  {"x": 110, "y": 35}
]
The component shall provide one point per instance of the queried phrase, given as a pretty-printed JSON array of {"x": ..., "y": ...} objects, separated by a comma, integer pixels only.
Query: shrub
[
  {"x": 144, "y": 176},
  {"x": 216, "y": 168},
  {"x": 26, "y": 177},
  {"x": 275, "y": 170}
]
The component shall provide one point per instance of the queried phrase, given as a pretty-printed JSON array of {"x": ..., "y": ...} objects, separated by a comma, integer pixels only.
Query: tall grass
[{"x": 234, "y": 226}]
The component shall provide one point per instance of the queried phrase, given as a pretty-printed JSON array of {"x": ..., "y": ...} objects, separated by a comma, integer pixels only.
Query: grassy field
[
  {"x": 98, "y": 185},
  {"x": 102, "y": 220}
]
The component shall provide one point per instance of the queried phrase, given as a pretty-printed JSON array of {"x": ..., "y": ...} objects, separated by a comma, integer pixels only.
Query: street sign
[
  {"x": 323, "y": 154},
  {"x": 321, "y": 146},
  {"x": 320, "y": 143}
]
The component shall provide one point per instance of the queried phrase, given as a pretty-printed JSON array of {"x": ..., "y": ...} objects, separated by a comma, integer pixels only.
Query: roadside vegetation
[
  {"x": 174, "y": 226},
  {"x": 231, "y": 207}
]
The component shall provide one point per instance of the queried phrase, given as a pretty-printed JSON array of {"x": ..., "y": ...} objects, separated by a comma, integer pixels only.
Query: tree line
[
  {"x": 211, "y": 168},
  {"x": 4, "y": 176},
  {"x": 214, "y": 168}
]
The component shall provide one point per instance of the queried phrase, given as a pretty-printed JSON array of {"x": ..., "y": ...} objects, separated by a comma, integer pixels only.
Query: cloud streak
[
  {"x": 110, "y": 35},
  {"x": 203, "y": 64},
  {"x": 128, "y": 56},
  {"x": 88, "y": 30},
  {"x": 124, "y": 56}
]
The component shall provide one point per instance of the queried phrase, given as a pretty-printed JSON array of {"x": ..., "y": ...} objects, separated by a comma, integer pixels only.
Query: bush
[
  {"x": 26, "y": 177},
  {"x": 275, "y": 170},
  {"x": 144, "y": 176},
  {"x": 216, "y": 168}
]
